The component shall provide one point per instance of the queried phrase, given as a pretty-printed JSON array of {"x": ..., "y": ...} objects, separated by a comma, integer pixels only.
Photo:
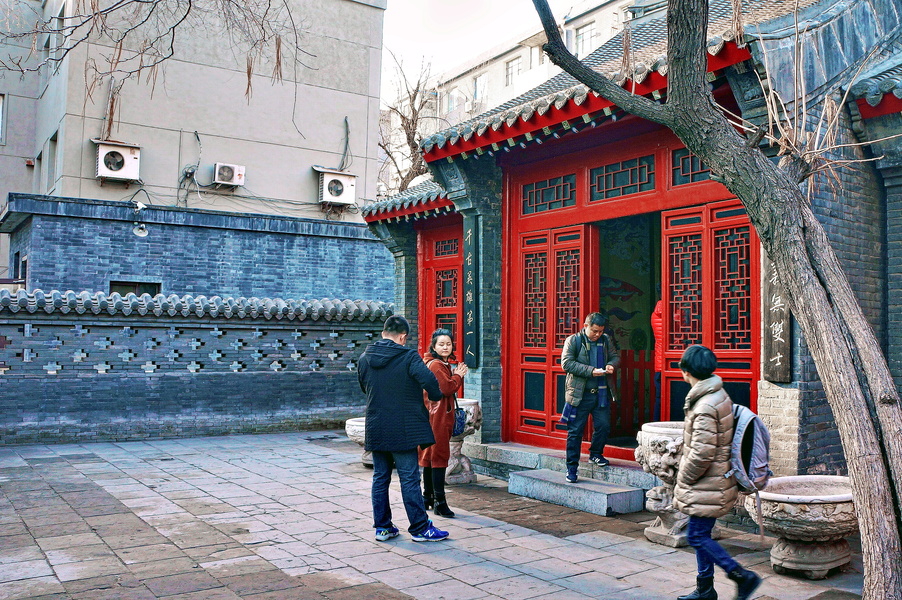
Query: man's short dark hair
[
  {"x": 699, "y": 361},
  {"x": 598, "y": 319},
  {"x": 396, "y": 325}
]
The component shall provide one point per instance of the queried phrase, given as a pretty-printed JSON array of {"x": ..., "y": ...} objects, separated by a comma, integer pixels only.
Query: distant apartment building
[
  {"x": 505, "y": 72},
  {"x": 196, "y": 183}
]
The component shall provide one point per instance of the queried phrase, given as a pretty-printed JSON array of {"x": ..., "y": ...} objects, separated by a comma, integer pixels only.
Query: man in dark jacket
[
  {"x": 393, "y": 378},
  {"x": 590, "y": 358}
]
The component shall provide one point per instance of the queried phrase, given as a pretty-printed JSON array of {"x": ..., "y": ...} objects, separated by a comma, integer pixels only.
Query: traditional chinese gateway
[{"x": 557, "y": 204}]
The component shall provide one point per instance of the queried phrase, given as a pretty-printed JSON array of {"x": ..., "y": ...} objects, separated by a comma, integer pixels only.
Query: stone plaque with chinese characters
[
  {"x": 471, "y": 292},
  {"x": 776, "y": 341}
]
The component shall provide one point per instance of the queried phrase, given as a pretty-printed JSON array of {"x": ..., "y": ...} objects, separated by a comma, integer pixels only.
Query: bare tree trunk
[{"x": 848, "y": 357}]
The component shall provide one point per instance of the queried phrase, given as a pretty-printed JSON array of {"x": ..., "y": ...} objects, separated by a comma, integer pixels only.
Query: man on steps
[{"x": 590, "y": 358}]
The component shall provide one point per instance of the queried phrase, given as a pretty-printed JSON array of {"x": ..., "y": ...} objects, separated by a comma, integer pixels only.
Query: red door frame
[
  {"x": 714, "y": 217},
  {"x": 579, "y": 162},
  {"x": 440, "y": 250}
]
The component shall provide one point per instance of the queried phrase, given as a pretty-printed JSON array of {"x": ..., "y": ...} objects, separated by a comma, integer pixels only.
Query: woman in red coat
[{"x": 434, "y": 459}]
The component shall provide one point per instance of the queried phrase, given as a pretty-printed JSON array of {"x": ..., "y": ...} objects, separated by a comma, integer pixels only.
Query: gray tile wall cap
[
  {"x": 70, "y": 302},
  {"x": 417, "y": 195},
  {"x": 884, "y": 78},
  {"x": 649, "y": 51}
]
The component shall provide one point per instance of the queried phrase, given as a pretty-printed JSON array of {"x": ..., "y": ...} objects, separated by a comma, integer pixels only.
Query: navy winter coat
[{"x": 393, "y": 378}]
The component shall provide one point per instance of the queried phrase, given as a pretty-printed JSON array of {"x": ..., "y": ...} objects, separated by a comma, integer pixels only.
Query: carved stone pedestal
[
  {"x": 356, "y": 429},
  {"x": 659, "y": 451},
  {"x": 459, "y": 468},
  {"x": 812, "y": 514}
]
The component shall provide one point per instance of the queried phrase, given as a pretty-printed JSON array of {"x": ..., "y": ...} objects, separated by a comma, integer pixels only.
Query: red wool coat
[{"x": 441, "y": 414}]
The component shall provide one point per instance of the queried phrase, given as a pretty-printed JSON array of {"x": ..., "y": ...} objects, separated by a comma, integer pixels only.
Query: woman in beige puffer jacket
[{"x": 705, "y": 487}]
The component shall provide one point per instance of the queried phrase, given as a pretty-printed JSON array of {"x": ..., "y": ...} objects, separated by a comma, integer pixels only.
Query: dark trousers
[
  {"x": 409, "y": 475},
  {"x": 601, "y": 421},
  {"x": 707, "y": 551}
]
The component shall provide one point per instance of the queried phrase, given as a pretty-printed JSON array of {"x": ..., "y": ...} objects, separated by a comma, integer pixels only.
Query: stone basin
[
  {"x": 812, "y": 515},
  {"x": 807, "y": 507},
  {"x": 356, "y": 431}
]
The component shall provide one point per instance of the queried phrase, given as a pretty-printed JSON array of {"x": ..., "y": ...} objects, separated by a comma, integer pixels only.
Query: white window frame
[
  {"x": 512, "y": 70},
  {"x": 584, "y": 38}
]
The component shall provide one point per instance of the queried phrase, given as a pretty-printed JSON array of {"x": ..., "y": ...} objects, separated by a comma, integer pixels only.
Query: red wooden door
[
  {"x": 440, "y": 267},
  {"x": 552, "y": 292},
  {"x": 711, "y": 273}
]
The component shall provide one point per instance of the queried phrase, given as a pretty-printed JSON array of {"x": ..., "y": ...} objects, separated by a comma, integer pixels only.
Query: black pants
[{"x": 601, "y": 421}]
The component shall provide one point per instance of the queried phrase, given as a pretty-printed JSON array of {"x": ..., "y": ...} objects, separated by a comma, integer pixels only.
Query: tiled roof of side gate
[
  {"x": 418, "y": 197},
  {"x": 885, "y": 78},
  {"x": 71, "y": 302},
  {"x": 648, "y": 48}
]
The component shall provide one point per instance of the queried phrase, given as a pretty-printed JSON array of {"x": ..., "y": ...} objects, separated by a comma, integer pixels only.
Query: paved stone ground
[{"x": 288, "y": 516}]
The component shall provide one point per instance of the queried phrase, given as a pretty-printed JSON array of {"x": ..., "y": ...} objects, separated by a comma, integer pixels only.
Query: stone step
[
  {"x": 589, "y": 495},
  {"x": 501, "y": 459}
]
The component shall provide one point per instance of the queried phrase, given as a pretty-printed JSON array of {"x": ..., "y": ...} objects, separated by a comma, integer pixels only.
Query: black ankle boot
[
  {"x": 428, "y": 500},
  {"x": 441, "y": 508},
  {"x": 747, "y": 582},
  {"x": 428, "y": 490},
  {"x": 704, "y": 590}
]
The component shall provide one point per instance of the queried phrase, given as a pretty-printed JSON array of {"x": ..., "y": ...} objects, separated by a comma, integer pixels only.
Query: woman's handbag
[{"x": 460, "y": 420}]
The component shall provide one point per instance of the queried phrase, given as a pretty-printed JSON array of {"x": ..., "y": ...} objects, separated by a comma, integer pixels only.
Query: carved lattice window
[
  {"x": 567, "y": 305},
  {"x": 535, "y": 299},
  {"x": 446, "y": 247},
  {"x": 549, "y": 194},
  {"x": 446, "y": 288},
  {"x": 449, "y": 322},
  {"x": 686, "y": 290},
  {"x": 622, "y": 178},
  {"x": 688, "y": 168},
  {"x": 732, "y": 289}
]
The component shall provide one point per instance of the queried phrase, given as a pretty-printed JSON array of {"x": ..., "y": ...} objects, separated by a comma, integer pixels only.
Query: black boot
[
  {"x": 442, "y": 509},
  {"x": 747, "y": 582},
  {"x": 704, "y": 590},
  {"x": 438, "y": 484},
  {"x": 428, "y": 493}
]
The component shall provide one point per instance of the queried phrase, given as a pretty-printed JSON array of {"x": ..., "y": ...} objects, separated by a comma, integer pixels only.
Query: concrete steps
[{"x": 589, "y": 495}]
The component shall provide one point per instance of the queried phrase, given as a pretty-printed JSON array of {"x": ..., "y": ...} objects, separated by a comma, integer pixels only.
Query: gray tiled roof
[
  {"x": 648, "y": 47},
  {"x": 193, "y": 306},
  {"x": 416, "y": 196},
  {"x": 884, "y": 78}
]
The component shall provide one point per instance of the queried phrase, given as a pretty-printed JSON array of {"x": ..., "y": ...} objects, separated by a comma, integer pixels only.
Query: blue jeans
[
  {"x": 409, "y": 475},
  {"x": 707, "y": 551},
  {"x": 601, "y": 422}
]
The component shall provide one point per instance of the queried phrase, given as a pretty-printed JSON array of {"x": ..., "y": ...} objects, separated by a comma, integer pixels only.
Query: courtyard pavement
[{"x": 288, "y": 516}]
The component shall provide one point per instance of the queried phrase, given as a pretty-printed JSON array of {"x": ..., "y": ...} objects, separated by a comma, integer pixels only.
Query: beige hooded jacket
[{"x": 701, "y": 488}]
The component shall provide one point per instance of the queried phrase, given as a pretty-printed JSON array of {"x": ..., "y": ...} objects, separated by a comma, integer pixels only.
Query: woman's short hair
[
  {"x": 699, "y": 361},
  {"x": 435, "y": 336}
]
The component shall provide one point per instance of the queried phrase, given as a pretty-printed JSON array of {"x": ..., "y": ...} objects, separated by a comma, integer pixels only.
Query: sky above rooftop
[{"x": 447, "y": 33}]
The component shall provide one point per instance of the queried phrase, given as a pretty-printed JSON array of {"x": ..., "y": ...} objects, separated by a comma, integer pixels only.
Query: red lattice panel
[
  {"x": 449, "y": 322},
  {"x": 535, "y": 299},
  {"x": 549, "y": 194},
  {"x": 446, "y": 288},
  {"x": 686, "y": 290},
  {"x": 688, "y": 168},
  {"x": 623, "y": 178},
  {"x": 447, "y": 247},
  {"x": 732, "y": 289},
  {"x": 567, "y": 305}
]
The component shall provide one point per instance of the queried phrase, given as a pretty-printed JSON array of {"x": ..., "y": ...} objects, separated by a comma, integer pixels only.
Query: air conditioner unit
[
  {"x": 225, "y": 174},
  {"x": 468, "y": 106},
  {"x": 118, "y": 161},
  {"x": 336, "y": 187}
]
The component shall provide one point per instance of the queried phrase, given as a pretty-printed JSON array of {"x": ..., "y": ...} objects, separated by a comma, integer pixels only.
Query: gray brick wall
[
  {"x": 84, "y": 245},
  {"x": 75, "y": 377}
]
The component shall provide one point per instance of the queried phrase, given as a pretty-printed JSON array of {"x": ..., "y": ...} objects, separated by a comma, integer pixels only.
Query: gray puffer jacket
[{"x": 701, "y": 488}]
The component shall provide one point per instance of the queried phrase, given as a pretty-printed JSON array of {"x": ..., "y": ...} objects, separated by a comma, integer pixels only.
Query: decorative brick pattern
[{"x": 118, "y": 377}]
